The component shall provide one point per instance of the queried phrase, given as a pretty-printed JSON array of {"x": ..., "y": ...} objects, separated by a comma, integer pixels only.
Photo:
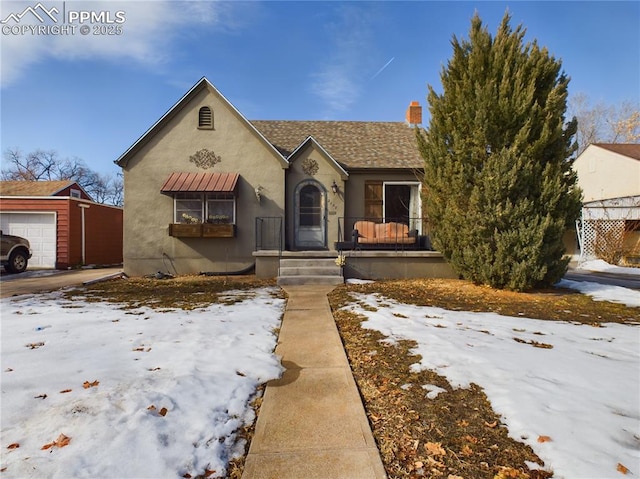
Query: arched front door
[{"x": 310, "y": 215}]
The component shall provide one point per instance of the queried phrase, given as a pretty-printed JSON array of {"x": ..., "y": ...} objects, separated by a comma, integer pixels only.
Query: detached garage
[
  {"x": 39, "y": 229},
  {"x": 64, "y": 226}
]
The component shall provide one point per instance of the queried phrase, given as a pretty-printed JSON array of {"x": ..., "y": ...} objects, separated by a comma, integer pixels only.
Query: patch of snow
[
  {"x": 141, "y": 393},
  {"x": 582, "y": 390},
  {"x": 602, "y": 266},
  {"x": 433, "y": 390},
  {"x": 358, "y": 281},
  {"x": 603, "y": 292}
]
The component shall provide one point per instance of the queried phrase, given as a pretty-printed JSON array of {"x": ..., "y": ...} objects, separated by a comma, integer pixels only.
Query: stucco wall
[
  {"x": 603, "y": 174},
  {"x": 148, "y": 248}
]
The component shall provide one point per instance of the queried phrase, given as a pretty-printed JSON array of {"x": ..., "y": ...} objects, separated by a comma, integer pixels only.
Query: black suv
[{"x": 15, "y": 253}]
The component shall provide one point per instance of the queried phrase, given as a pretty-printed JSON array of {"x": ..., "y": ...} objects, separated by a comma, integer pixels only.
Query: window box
[
  {"x": 213, "y": 230},
  {"x": 183, "y": 230}
]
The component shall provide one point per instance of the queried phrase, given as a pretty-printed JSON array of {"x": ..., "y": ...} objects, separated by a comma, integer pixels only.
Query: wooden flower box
[
  {"x": 212, "y": 230},
  {"x": 182, "y": 230}
]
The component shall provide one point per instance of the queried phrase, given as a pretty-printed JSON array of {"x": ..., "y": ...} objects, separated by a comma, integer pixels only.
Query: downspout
[{"x": 84, "y": 236}]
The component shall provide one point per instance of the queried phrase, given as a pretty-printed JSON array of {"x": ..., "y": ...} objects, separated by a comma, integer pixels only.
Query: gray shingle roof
[{"x": 353, "y": 144}]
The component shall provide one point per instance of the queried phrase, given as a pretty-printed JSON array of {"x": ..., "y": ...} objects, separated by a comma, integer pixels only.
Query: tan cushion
[{"x": 366, "y": 229}]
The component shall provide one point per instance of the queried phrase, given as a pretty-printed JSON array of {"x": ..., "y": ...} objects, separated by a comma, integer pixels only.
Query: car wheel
[{"x": 17, "y": 262}]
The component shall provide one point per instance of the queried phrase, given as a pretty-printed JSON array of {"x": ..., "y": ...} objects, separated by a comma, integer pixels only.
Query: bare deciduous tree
[
  {"x": 46, "y": 165},
  {"x": 601, "y": 123}
]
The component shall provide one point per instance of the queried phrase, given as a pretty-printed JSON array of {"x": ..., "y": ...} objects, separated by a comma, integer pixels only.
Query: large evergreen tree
[{"x": 499, "y": 188}]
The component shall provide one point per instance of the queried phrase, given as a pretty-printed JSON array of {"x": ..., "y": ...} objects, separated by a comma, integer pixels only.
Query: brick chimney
[{"x": 414, "y": 113}]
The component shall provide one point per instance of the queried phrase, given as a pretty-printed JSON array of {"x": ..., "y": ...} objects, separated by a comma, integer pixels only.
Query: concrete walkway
[
  {"x": 312, "y": 424},
  {"x": 49, "y": 280}
]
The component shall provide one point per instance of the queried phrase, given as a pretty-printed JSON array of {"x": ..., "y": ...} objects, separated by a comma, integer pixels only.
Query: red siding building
[{"x": 65, "y": 227}]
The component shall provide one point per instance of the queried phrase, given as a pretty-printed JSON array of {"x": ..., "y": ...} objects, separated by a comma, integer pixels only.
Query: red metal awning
[{"x": 200, "y": 183}]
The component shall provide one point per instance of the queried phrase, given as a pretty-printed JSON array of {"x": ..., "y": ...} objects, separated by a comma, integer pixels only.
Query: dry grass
[{"x": 456, "y": 434}]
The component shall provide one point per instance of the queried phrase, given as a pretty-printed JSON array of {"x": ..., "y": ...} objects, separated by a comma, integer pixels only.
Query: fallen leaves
[
  {"x": 142, "y": 349},
  {"x": 621, "y": 469},
  {"x": 88, "y": 385},
  {"x": 544, "y": 439},
  {"x": 34, "y": 345},
  {"x": 461, "y": 424},
  {"x": 533, "y": 343},
  {"x": 15, "y": 445},
  {"x": 162, "y": 412},
  {"x": 61, "y": 441},
  {"x": 435, "y": 449},
  {"x": 510, "y": 473}
]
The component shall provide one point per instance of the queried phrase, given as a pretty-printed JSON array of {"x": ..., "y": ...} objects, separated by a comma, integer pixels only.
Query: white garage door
[{"x": 39, "y": 229}]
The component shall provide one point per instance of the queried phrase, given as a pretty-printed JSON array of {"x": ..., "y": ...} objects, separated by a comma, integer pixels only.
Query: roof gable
[
  {"x": 202, "y": 84},
  {"x": 310, "y": 141},
  {"x": 353, "y": 144}
]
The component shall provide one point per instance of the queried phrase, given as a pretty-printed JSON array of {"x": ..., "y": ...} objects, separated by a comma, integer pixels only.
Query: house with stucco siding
[{"x": 209, "y": 191}]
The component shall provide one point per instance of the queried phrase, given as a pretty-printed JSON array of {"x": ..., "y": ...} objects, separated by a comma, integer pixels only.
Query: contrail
[{"x": 385, "y": 66}]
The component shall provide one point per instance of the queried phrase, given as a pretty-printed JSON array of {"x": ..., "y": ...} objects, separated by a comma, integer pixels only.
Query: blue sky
[{"x": 92, "y": 96}]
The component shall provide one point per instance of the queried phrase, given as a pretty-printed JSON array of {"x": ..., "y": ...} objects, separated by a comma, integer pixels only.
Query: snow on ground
[
  {"x": 604, "y": 267},
  {"x": 603, "y": 292},
  {"x": 583, "y": 392},
  {"x": 164, "y": 392}
]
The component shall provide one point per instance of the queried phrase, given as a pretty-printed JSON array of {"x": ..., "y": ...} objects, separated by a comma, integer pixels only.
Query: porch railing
[
  {"x": 269, "y": 233},
  {"x": 358, "y": 232}
]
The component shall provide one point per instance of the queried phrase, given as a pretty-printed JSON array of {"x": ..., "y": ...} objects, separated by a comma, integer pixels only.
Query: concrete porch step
[
  {"x": 307, "y": 262},
  {"x": 309, "y": 270},
  {"x": 309, "y": 279}
]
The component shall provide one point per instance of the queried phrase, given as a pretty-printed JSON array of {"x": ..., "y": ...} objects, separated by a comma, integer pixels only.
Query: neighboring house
[
  {"x": 609, "y": 175},
  {"x": 609, "y": 170},
  {"x": 209, "y": 191},
  {"x": 64, "y": 226}
]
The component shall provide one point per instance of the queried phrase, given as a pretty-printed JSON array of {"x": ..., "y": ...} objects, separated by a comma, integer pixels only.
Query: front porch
[
  {"x": 363, "y": 264},
  {"x": 385, "y": 249}
]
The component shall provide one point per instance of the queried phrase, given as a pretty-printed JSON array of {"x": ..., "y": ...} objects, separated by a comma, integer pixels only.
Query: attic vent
[{"x": 205, "y": 118}]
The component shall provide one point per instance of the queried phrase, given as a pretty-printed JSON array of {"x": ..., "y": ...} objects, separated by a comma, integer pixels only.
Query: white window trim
[
  {"x": 204, "y": 205},
  {"x": 415, "y": 199}
]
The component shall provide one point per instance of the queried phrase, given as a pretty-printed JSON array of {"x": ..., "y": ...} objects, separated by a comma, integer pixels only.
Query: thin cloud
[
  {"x": 145, "y": 36},
  {"x": 339, "y": 81}
]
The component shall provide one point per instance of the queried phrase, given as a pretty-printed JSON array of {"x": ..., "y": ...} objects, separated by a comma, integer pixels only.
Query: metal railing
[
  {"x": 358, "y": 232},
  {"x": 269, "y": 233}
]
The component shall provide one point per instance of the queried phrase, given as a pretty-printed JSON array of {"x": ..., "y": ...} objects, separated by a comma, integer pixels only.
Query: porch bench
[{"x": 379, "y": 234}]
